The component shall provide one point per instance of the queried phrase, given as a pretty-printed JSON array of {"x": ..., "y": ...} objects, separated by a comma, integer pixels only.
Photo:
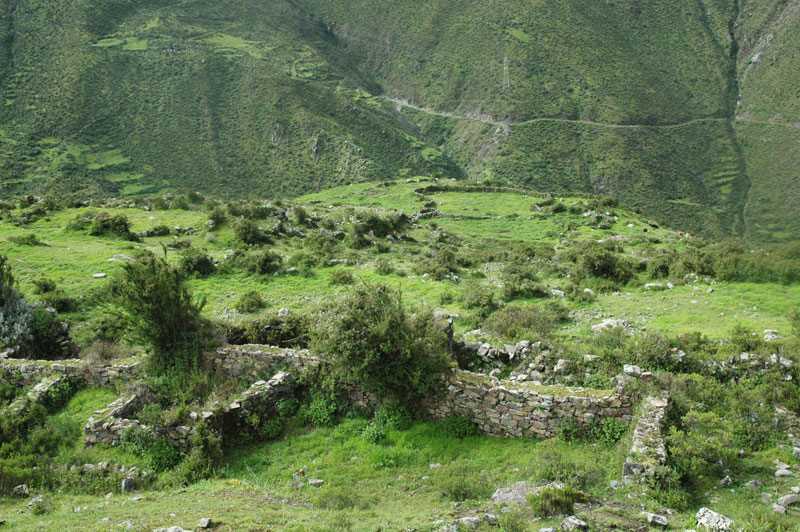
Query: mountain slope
[{"x": 675, "y": 109}]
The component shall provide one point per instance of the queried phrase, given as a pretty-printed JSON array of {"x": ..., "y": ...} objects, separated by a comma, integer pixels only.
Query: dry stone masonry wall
[
  {"x": 32, "y": 371},
  {"x": 648, "y": 449},
  {"x": 498, "y": 407}
]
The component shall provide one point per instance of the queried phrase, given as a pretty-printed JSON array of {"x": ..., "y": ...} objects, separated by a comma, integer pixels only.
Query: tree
[{"x": 158, "y": 310}]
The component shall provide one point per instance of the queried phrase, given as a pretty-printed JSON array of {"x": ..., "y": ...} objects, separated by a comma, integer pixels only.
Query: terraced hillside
[{"x": 689, "y": 111}]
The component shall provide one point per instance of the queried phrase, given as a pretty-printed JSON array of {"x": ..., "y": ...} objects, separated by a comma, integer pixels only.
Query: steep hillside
[
  {"x": 238, "y": 98},
  {"x": 250, "y": 97}
]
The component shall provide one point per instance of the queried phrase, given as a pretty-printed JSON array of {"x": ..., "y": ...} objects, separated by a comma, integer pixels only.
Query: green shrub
[
  {"x": 515, "y": 520},
  {"x": 702, "y": 447},
  {"x": 159, "y": 311},
  {"x": 393, "y": 416},
  {"x": 384, "y": 266},
  {"x": 520, "y": 322},
  {"x": 552, "y": 501},
  {"x": 459, "y": 483},
  {"x": 288, "y": 331},
  {"x": 368, "y": 338},
  {"x": 342, "y": 276},
  {"x": 44, "y": 285},
  {"x": 260, "y": 262},
  {"x": 29, "y": 239},
  {"x": 218, "y": 216},
  {"x": 248, "y": 232},
  {"x": 594, "y": 259},
  {"x": 59, "y": 301},
  {"x": 287, "y": 407},
  {"x": 479, "y": 297},
  {"x": 102, "y": 223},
  {"x": 457, "y": 426},
  {"x": 196, "y": 262},
  {"x": 319, "y": 411},
  {"x": 374, "y": 433},
  {"x": 159, "y": 454},
  {"x": 250, "y": 302}
]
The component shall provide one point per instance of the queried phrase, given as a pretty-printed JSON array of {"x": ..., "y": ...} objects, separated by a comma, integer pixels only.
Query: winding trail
[{"x": 506, "y": 124}]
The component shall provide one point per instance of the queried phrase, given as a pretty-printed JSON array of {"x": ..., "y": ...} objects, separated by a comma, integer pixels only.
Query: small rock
[
  {"x": 98, "y": 275},
  {"x": 434, "y": 466},
  {"x": 128, "y": 484},
  {"x": 315, "y": 482},
  {"x": 657, "y": 520},
  {"x": 204, "y": 522},
  {"x": 788, "y": 500},
  {"x": 21, "y": 491},
  {"x": 518, "y": 493},
  {"x": 726, "y": 481},
  {"x": 783, "y": 473},
  {"x": 778, "y": 509},
  {"x": 471, "y": 522},
  {"x": 753, "y": 484},
  {"x": 126, "y": 525},
  {"x": 632, "y": 371},
  {"x": 573, "y": 523}
]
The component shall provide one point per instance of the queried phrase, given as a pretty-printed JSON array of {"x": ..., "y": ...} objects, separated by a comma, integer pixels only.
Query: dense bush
[
  {"x": 368, "y": 338},
  {"x": 159, "y": 312},
  {"x": 370, "y": 222},
  {"x": 290, "y": 330},
  {"x": 259, "y": 262},
  {"x": 250, "y": 302},
  {"x": 601, "y": 260},
  {"x": 159, "y": 454},
  {"x": 552, "y": 501},
  {"x": 702, "y": 447},
  {"x": 248, "y": 232},
  {"x": 196, "y": 262},
  {"x": 29, "y": 239},
  {"x": 320, "y": 410},
  {"x": 102, "y": 223},
  {"x": 526, "y": 322},
  {"x": 35, "y": 331},
  {"x": 479, "y": 297},
  {"x": 342, "y": 276}
]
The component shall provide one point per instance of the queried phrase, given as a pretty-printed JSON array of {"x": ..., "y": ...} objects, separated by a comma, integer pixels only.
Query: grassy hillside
[{"x": 506, "y": 265}]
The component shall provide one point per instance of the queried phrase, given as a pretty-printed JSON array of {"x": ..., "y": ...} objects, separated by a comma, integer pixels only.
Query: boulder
[
  {"x": 204, "y": 523},
  {"x": 518, "y": 493},
  {"x": 469, "y": 522},
  {"x": 21, "y": 491},
  {"x": 788, "y": 500},
  {"x": 128, "y": 484},
  {"x": 712, "y": 521}
]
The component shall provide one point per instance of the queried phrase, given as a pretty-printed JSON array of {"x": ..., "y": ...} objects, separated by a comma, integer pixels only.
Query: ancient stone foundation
[{"x": 648, "y": 449}]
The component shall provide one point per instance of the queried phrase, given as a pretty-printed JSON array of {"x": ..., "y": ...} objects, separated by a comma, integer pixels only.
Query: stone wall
[
  {"x": 501, "y": 408},
  {"x": 107, "y": 426},
  {"x": 33, "y": 371},
  {"x": 39, "y": 393},
  {"x": 514, "y": 409},
  {"x": 648, "y": 449},
  {"x": 254, "y": 362}
]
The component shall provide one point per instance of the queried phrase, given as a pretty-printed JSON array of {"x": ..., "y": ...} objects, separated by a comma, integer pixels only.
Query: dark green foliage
[
  {"x": 320, "y": 410},
  {"x": 794, "y": 320},
  {"x": 369, "y": 338},
  {"x": 601, "y": 260},
  {"x": 384, "y": 267},
  {"x": 519, "y": 281},
  {"x": 218, "y": 216},
  {"x": 44, "y": 285},
  {"x": 607, "y": 431},
  {"x": 259, "y": 262},
  {"x": 392, "y": 416},
  {"x": 103, "y": 224},
  {"x": 248, "y": 232},
  {"x": 289, "y": 331},
  {"x": 29, "y": 239},
  {"x": 374, "y": 433},
  {"x": 526, "y": 322},
  {"x": 35, "y": 331},
  {"x": 342, "y": 276},
  {"x": 479, "y": 297},
  {"x": 456, "y": 426},
  {"x": 287, "y": 407},
  {"x": 552, "y": 501},
  {"x": 194, "y": 261},
  {"x": 159, "y": 312},
  {"x": 374, "y": 223},
  {"x": 704, "y": 449},
  {"x": 250, "y": 302},
  {"x": 159, "y": 454}
]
